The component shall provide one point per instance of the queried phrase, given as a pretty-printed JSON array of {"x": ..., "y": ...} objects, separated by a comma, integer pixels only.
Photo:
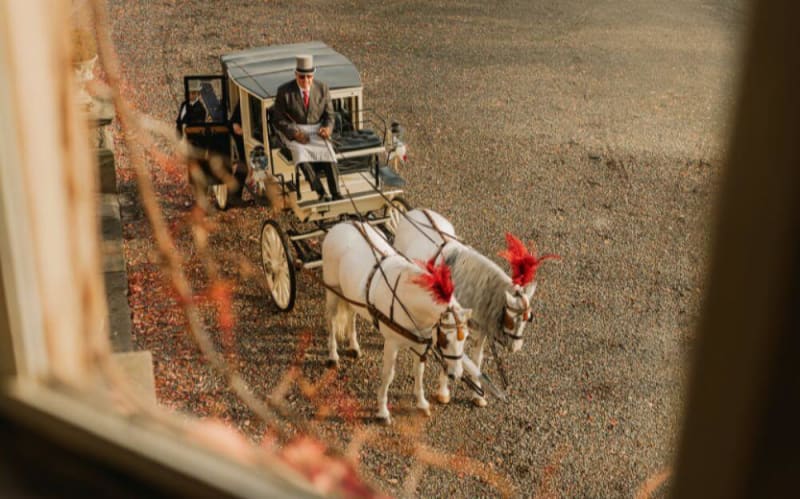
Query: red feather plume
[
  {"x": 523, "y": 262},
  {"x": 436, "y": 280}
]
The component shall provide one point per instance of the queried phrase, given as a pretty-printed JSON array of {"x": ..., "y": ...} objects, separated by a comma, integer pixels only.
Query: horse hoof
[
  {"x": 425, "y": 410},
  {"x": 354, "y": 353},
  {"x": 443, "y": 399},
  {"x": 385, "y": 420},
  {"x": 332, "y": 364},
  {"x": 479, "y": 402}
]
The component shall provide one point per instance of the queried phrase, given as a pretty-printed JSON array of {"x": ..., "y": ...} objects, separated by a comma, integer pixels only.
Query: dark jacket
[
  {"x": 190, "y": 114},
  {"x": 289, "y": 109}
]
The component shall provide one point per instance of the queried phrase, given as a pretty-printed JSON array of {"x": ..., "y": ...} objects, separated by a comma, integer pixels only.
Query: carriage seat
[
  {"x": 354, "y": 140},
  {"x": 210, "y": 138}
]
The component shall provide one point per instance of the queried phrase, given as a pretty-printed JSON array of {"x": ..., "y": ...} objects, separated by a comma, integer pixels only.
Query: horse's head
[
  {"x": 518, "y": 310},
  {"x": 451, "y": 333}
]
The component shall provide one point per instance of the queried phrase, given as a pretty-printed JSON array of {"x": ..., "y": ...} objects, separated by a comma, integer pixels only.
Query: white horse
[
  {"x": 501, "y": 304},
  {"x": 412, "y": 306}
]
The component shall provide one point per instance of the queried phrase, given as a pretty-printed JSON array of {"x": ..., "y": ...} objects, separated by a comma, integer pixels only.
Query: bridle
[
  {"x": 510, "y": 321},
  {"x": 442, "y": 331},
  {"x": 438, "y": 341}
]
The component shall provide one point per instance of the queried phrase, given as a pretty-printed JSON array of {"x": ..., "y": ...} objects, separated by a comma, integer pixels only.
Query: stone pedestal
[{"x": 138, "y": 366}]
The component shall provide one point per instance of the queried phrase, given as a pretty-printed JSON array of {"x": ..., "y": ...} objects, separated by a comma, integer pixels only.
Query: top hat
[
  {"x": 305, "y": 64},
  {"x": 195, "y": 86}
]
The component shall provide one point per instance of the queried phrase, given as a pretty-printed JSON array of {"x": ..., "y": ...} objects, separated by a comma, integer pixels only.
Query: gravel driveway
[{"x": 596, "y": 131}]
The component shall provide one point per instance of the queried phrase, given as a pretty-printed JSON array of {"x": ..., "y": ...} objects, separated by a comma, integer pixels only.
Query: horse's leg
[
  {"x": 419, "y": 390},
  {"x": 477, "y": 354},
  {"x": 331, "y": 311},
  {"x": 443, "y": 394},
  {"x": 351, "y": 328},
  {"x": 389, "y": 358}
]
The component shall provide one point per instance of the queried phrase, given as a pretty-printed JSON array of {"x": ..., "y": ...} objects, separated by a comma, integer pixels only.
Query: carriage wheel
[
  {"x": 394, "y": 211},
  {"x": 278, "y": 265},
  {"x": 220, "y": 192}
]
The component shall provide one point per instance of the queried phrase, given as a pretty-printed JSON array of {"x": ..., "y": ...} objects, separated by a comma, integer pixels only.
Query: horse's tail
[
  {"x": 342, "y": 319},
  {"x": 338, "y": 313}
]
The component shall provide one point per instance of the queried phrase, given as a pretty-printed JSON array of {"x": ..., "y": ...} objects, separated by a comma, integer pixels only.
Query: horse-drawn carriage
[
  {"x": 365, "y": 145},
  {"x": 422, "y": 311}
]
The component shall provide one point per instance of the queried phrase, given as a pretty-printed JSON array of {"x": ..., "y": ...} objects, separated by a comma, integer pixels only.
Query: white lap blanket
[{"x": 317, "y": 149}]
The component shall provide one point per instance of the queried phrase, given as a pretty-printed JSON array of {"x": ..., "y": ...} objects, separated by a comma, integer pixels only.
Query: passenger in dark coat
[{"x": 192, "y": 110}]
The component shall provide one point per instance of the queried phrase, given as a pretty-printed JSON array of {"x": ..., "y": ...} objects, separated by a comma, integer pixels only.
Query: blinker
[
  {"x": 508, "y": 322},
  {"x": 441, "y": 339}
]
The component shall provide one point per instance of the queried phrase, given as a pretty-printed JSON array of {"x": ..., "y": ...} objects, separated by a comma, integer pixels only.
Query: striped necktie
[{"x": 305, "y": 98}]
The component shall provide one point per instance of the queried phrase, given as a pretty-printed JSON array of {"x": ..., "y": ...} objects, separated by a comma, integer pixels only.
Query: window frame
[{"x": 52, "y": 325}]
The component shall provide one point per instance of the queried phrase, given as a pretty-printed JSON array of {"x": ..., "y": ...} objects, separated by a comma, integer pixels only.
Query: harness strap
[
  {"x": 423, "y": 357},
  {"x": 394, "y": 297},
  {"x": 508, "y": 321},
  {"x": 438, "y": 231},
  {"x": 378, "y": 316},
  {"x": 446, "y": 238},
  {"x": 363, "y": 233},
  {"x": 377, "y": 266},
  {"x": 397, "y": 328},
  {"x": 444, "y": 235},
  {"x": 340, "y": 294},
  {"x": 369, "y": 286}
]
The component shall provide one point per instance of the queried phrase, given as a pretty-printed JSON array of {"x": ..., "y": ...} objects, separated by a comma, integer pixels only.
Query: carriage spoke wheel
[
  {"x": 276, "y": 259},
  {"x": 220, "y": 192},
  {"x": 394, "y": 212}
]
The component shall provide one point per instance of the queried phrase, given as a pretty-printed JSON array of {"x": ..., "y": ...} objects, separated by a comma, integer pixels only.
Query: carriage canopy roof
[{"x": 262, "y": 70}]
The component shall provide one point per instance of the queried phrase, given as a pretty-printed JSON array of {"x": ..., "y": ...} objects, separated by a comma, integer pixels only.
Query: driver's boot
[{"x": 332, "y": 174}]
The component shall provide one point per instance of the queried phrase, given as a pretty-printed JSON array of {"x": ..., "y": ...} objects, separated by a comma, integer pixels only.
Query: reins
[
  {"x": 442, "y": 234},
  {"x": 500, "y": 367},
  {"x": 413, "y": 222}
]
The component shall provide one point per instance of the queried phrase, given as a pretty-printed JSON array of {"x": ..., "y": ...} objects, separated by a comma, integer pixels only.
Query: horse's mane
[
  {"x": 480, "y": 285},
  {"x": 437, "y": 280}
]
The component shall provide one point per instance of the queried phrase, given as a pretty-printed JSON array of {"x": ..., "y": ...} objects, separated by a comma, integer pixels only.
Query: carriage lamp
[
  {"x": 397, "y": 130},
  {"x": 258, "y": 164},
  {"x": 258, "y": 159},
  {"x": 398, "y": 152}
]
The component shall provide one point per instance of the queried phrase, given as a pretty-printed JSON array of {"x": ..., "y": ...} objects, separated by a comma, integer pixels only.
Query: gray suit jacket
[{"x": 289, "y": 109}]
